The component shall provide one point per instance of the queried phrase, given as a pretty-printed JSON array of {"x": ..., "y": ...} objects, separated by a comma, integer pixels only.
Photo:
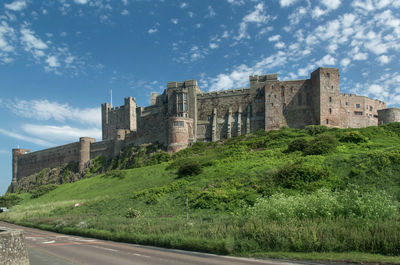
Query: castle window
[
  {"x": 274, "y": 96},
  {"x": 185, "y": 106},
  {"x": 327, "y": 121},
  {"x": 358, "y": 106},
  {"x": 347, "y": 103},
  {"x": 291, "y": 90},
  {"x": 180, "y": 107},
  {"x": 330, "y": 111},
  {"x": 179, "y": 124},
  {"x": 308, "y": 99},
  {"x": 359, "y": 113},
  {"x": 284, "y": 108},
  {"x": 272, "y": 104},
  {"x": 328, "y": 75},
  {"x": 300, "y": 99},
  {"x": 209, "y": 117},
  {"x": 184, "y": 96},
  {"x": 330, "y": 99},
  {"x": 282, "y": 91},
  {"x": 331, "y": 87},
  {"x": 370, "y": 108}
]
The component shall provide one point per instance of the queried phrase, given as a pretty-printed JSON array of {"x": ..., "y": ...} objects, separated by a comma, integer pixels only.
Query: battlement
[
  {"x": 263, "y": 78},
  {"x": 186, "y": 83},
  {"x": 224, "y": 93}
]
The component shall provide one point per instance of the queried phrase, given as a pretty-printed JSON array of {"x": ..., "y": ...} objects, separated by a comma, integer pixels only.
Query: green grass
[
  {"x": 330, "y": 256},
  {"x": 252, "y": 195}
]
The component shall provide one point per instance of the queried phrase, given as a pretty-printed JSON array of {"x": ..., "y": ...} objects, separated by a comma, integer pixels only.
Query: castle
[{"x": 184, "y": 114}]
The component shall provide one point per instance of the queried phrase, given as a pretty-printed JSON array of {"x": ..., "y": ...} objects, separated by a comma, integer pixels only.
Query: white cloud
[
  {"x": 52, "y": 61},
  {"x": 345, "y": 62},
  {"x": 211, "y": 12},
  {"x": 280, "y": 45},
  {"x": 384, "y": 59},
  {"x": 238, "y": 77},
  {"x": 326, "y": 60},
  {"x": 318, "y": 12},
  {"x": 174, "y": 21},
  {"x": 285, "y": 3},
  {"x": 154, "y": 29},
  {"x": 59, "y": 134},
  {"x": 125, "y": 2},
  {"x": 213, "y": 46},
  {"x": 236, "y": 2},
  {"x": 7, "y": 35},
  {"x": 17, "y": 5},
  {"x": 46, "y": 110},
  {"x": 31, "y": 43},
  {"x": 257, "y": 16},
  {"x": 274, "y": 38},
  {"x": 331, "y": 4},
  {"x": 360, "y": 56},
  {"x": 25, "y": 138},
  {"x": 183, "y": 5},
  {"x": 125, "y": 12},
  {"x": 81, "y": 2}
]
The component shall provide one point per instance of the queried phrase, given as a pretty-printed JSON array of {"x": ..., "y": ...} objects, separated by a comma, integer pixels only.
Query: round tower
[
  {"x": 180, "y": 133},
  {"x": 84, "y": 149}
]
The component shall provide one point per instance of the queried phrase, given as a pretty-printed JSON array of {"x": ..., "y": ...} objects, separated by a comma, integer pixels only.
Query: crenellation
[{"x": 184, "y": 114}]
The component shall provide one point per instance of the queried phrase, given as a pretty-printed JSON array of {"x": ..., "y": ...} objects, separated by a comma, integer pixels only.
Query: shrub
[
  {"x": 316, "y": 129},
  {"x": 353, "y": 137},
  {"x": 9, "y": 200},
  {"x": 42, "y": 190},
  {"x": 190, "y": 168},
  {"x": 321, "y": 144},
  {"x": 300, "y": 175},
  {"x": 323, "y": 203},
  {"x": 132, "y": 213},
  {"x": 297, "y": 145}
]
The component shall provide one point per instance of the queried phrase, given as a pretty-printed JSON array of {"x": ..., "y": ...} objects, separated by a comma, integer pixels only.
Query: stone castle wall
[{"x": 183, "y": 114}]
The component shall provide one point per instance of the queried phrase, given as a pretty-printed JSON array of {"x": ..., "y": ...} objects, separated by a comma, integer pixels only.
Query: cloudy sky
[{"x": 59, "y": 59}]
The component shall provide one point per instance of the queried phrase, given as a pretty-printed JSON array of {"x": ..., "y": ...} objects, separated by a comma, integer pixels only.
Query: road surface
[{"x": 47, "y": 248}]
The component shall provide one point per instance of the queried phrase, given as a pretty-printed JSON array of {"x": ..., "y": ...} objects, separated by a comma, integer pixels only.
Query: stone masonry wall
[
  {"x": 232, "y": 108},
  {"x": 12, "y": 247},
  {"x": 389, "y": 115},
  {"x": 49, "y": 158}
]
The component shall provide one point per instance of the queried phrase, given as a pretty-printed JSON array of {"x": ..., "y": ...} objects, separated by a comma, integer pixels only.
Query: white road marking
[
  {"x": 140, "y": 255},
  {"x": 49, "y": 242},
  {"x": 109, "y": 249}
]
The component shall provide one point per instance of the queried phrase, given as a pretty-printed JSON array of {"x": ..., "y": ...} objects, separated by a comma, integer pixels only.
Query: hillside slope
[{"x": 316, "y": 189}]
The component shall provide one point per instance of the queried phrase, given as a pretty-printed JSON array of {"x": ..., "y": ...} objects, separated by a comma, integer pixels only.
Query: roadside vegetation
[{"x": 316, "y": 190}]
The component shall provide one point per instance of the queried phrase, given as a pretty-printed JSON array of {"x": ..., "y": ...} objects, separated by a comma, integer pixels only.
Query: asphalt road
[{"x": 48, "y": 248}]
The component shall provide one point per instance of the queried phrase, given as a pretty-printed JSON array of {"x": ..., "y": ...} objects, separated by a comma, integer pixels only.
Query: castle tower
[
  {"x": 15, "y": 153},
  {"x": 326, "y": 96},
  {"x": 182, "y": 113},
  {"x": 114, "y": 119},
  {"x": 84, "y": 151},
  {"x": 105, "y": 108}
]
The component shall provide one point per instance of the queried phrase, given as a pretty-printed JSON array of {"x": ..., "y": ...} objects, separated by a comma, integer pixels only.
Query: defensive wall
[
  {"x": 184, "y": 114},
  {"x": 12, "y": 247}
]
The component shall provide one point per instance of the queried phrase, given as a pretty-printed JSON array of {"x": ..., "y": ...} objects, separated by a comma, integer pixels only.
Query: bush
[
  {"x": 316, "y": 129},
  {"x": 42, "y": 190},
  {"x": 132, "y": 213},
  {"x": 300, "y": 175},
  {"x": 299, "y": 144},
  {"x": 190, "y": 168},
  {"x": 353, "y": 137},
  {"x": 321, "y": 144},
  {"x": 323, "y": 203},
  {"x": 9, "y": 200}
]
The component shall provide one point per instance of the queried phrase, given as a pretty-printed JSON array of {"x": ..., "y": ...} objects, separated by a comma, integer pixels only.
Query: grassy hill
[{"x": 311, "y": 190}]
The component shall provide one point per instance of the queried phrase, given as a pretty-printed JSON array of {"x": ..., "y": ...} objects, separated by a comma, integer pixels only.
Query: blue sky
[{"x": 60, "y": 58}]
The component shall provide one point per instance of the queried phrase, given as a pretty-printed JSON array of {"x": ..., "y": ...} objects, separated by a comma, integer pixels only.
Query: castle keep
[{"x": 183, "y": 114}]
